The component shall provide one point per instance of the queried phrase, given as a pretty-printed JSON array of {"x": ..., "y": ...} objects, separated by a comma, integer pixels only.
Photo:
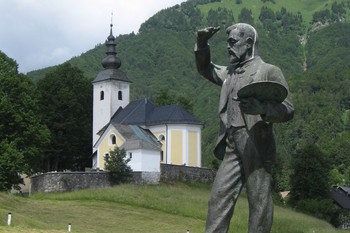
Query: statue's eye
[{"x": 231, "y": 41}]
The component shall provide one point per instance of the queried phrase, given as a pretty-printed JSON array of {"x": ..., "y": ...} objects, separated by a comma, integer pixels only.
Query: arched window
[
  {"x": 112, "y": 139},
  {"x": 102, "y": 95},
  {"x": 120, "y": 95},
  {"x": 161, "y": 137}
]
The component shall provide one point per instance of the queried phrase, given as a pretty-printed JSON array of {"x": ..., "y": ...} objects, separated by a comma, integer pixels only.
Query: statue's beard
[{"x": 234, "y": 58}]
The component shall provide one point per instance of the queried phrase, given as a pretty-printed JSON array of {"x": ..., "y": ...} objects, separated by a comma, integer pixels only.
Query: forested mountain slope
[{"x": 308, "y": 39}]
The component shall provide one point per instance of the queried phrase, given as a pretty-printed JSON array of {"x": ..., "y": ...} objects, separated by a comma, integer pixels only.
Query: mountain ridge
[{"x": 161, "y": 56}]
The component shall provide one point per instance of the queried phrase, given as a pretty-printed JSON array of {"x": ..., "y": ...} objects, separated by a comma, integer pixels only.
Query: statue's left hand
[
  {"x": 252, "y": 106},
  {"x": 203, "y": 35}
]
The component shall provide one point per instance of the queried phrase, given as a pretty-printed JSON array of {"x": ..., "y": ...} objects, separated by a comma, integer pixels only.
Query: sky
[{"x": 42, "y": 33}]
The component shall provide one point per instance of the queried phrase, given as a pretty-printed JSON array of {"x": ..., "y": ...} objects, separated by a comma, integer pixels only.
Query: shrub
[
  {"x": 324, "y": 209},
  {"x": 310, "y": 179},
  {"x": 117, "y": 164}
]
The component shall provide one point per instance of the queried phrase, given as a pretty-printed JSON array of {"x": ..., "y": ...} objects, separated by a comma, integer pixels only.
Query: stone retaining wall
[
  {"x": 70, "y": 181},
  {"x": 186, "y": 174}
]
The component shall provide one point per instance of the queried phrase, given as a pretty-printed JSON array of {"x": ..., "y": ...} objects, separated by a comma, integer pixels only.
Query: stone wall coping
[
  {"x": 188, "y": 167},
  {"x": 69, "y": 172}
]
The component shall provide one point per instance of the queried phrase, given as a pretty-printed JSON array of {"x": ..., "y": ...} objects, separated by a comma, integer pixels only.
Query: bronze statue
[{"x": 254, "y": 95}]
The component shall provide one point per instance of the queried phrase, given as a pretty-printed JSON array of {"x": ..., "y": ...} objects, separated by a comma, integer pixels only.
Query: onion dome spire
[{"x": 111, "y": 61}]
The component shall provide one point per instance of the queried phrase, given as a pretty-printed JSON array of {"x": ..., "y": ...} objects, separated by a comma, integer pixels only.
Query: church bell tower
[{"x": 111, "y": 89}]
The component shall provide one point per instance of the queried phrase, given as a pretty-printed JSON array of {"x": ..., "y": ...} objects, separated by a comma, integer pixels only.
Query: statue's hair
[{"x": 246, "y": 30}]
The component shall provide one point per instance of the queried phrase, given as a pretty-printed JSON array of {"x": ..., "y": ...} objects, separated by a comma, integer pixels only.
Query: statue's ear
[{"x": 250, "y": 42}]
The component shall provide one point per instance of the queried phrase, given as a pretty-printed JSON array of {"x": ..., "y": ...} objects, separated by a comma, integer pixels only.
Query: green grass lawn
[{"x": 129, "y": 208}]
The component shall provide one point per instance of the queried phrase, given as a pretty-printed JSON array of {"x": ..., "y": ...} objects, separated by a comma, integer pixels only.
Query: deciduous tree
[
  {"x": 310, "y": 179},
  {"x": 22, "y": 135},
  {"x": 66, "y": 106}
]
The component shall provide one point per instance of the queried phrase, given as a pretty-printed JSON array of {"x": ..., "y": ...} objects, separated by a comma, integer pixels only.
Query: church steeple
[
  {"x": 111, "y": 88},
  {"x": 111, "y": 61}
]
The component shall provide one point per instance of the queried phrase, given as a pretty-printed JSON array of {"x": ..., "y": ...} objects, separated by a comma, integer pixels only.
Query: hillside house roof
[{"x": 341, "y": 196}]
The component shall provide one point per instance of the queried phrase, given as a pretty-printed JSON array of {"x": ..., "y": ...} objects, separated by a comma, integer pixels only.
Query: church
[{"x": 150, "y": 135}]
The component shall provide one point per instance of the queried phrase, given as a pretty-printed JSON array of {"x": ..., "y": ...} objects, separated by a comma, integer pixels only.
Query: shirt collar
[{"x": 241, "y": 67}]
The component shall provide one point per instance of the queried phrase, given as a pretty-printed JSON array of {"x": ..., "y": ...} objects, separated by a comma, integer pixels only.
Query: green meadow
[{"x": 170, "y": 208}]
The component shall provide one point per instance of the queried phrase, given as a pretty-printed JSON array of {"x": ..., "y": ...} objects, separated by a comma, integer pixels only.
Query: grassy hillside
[
  {"x": 161, "y": 56},
  {"x": 128, "y": 208},
  {"x": 305, "y": 7}
]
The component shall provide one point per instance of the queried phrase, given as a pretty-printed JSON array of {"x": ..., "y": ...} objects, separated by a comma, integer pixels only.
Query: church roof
[
  {"x": 172, "y": 114},
  {"x": 135, "y": 137},
  {"x": 144, "y": 112},
  {"x": 138, "y": 138},
  {"x": 111, "y": 63},
  {"x": 111, "y": 74}
]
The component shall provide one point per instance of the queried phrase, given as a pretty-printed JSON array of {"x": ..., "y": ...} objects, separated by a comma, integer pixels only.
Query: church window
[
  {"x": 112, "y": 139},
  {"x": 130, "y": 155},
  {"x": 102, "y": 95},
  {"x": 161, "y": 137},
  {"x": 162, "y": 156},
  {"x": 107, "y": 155},
  {"x": 120, "y": 95}
]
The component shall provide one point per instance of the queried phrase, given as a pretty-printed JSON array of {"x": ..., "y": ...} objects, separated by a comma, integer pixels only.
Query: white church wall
[
  {"x": 116, "y": 102},
  {"x": 144, "y": 160},
  {"x": 151, "y": 160},
  {"x": 104, "y": 109},
  {"x": 136, "y": 159},
  {"x": 101, "y": 108}
]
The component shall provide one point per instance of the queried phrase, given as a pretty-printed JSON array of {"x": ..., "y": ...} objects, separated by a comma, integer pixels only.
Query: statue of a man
[{"x": 245, "y": 144}]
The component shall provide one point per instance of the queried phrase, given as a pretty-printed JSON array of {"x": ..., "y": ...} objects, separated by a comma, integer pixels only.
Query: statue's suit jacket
[{"x": 259, "y": 126}]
